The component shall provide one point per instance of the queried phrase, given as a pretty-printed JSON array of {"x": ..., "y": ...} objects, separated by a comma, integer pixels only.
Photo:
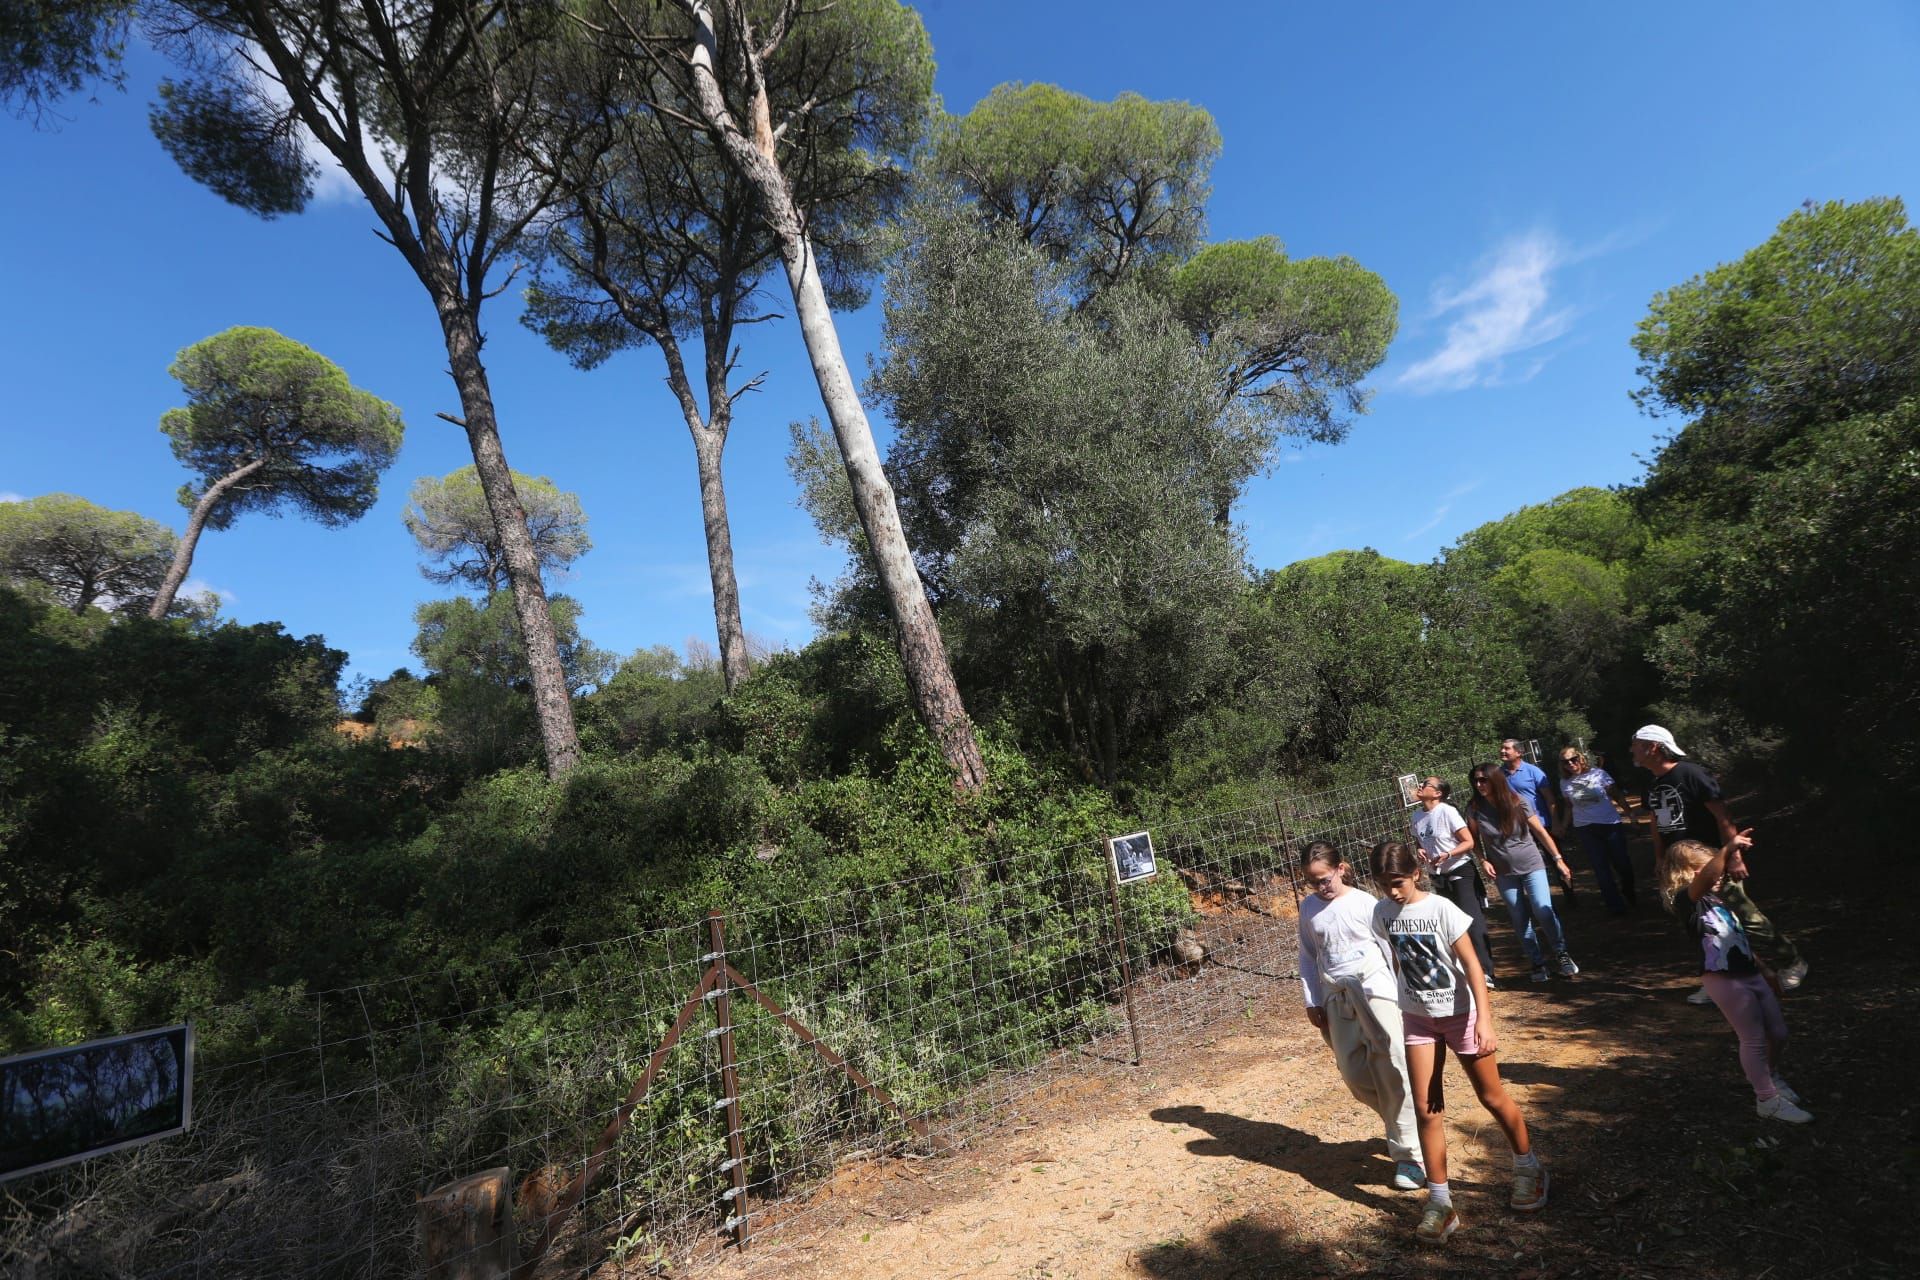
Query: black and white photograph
[
  {"x": 1132, "y": 857},
  {"x": 1409, "y": 783}
]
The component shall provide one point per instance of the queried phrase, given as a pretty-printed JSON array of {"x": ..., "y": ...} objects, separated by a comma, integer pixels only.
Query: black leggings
[{"x": 1462, "y": 887}]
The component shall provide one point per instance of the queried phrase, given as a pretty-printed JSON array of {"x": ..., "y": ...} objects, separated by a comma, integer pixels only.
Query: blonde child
[
  {"x": 1347, "y": 978},
  {"x": 1692, "y": 876},
  {"x": 1443, "y": 1003}
]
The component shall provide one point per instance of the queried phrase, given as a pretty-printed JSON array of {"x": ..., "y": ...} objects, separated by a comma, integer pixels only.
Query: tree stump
[{"x": 466, "y": 1228}]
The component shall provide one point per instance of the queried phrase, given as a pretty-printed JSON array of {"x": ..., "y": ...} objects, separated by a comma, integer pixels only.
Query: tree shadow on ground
[{"x": 1273, "y": 1246}]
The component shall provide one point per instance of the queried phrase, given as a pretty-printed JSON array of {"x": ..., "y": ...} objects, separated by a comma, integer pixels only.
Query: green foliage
[
  {"x": 1296, "y": 337},
  {"x": 1812, "y": 602},
  {"x": 1353, "y": 660},
  {"x": 255, "y": 396},
  {"x": 1575, "y": 577},
  {"x": 1108, "y": 189},
  {"x": 653, "y": 702},
  {"x": 230, "y": 136},
  {"x": 1784, "y": 601},
  {"x": 451, "y": 523},
  {"x": 1813, "y": 326},
  {"x": 52, "y": 48},
  {"x": 662, "y": 239},
  {"x": 84, "y": 553},
  {"x": 116, "y": 741},
  {"x": 477, "y": 663},
  {"x": 1063, "y": 473}
]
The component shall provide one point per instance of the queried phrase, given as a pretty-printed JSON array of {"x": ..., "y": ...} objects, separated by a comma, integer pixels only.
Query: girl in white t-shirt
[
  {"x": 1347, "y": 978},
  {"x": 1443, "y": 1002}
]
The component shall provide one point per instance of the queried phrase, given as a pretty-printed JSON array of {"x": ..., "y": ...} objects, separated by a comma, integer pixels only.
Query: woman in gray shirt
[{"x": 1511, "y": 841}]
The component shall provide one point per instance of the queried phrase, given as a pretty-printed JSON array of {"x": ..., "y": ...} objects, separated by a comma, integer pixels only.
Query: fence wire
[{"x": 903, "y": 1017}]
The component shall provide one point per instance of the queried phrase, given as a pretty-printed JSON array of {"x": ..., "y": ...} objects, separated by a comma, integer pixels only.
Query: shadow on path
[{"x": 1356, "y": 1170}]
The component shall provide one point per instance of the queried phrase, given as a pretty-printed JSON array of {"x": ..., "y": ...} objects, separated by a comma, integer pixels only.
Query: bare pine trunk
[
  {"x": 552, "y": 704},
  {"x": 183, "y": 553},
  {"x": 726, "y": 588},
  {"x": 929, "y": 677},
  {"x": 709, "y": 443},
  {"x": 922, "y": 652}
]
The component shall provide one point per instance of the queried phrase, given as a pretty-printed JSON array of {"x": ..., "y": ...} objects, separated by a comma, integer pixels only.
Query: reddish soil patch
[{"x": 1238, "y": 1153}]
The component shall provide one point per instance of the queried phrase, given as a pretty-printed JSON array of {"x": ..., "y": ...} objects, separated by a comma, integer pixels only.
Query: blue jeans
[
  {"x": 1605, "y": 844},
  {"x": 1532, "y": 913}
]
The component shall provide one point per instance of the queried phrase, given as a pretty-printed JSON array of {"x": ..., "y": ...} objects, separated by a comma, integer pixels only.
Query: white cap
[{"x": 1654, "y": 733}]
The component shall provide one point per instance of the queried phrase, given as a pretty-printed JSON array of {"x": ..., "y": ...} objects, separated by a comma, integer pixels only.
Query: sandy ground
[{"x": 1238, "y": 1152}]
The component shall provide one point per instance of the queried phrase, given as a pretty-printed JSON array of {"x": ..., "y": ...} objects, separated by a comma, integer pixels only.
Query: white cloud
[
  {"x": 11, "y": 496},
  {"x": 1440, "y": 512},
  {"x": 201, "y": 587},
  {"x": 332, "y": 184},
  {"x": 1506, "y": 308}
]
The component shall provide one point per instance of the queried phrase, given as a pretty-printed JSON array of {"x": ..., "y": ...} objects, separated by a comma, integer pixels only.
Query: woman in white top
[
  {"x": 1596, "y": 803},
  {"x": 1446, "y": 852},
  {"x": 1347, "y": 975}
]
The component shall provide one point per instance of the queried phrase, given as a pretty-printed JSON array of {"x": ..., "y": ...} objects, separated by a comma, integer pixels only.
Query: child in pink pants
[{"x": 1691, "y": 875}]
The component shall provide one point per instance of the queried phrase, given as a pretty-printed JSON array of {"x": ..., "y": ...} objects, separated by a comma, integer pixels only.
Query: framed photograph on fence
[
  {"x": 1409, "y": 783},
  {"x": 1132, "y": 857},
  {"x": 62, "y": 1105}
]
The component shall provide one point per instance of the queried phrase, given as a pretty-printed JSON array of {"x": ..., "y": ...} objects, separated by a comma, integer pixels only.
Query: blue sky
[{"x": 1524, "y": 176}]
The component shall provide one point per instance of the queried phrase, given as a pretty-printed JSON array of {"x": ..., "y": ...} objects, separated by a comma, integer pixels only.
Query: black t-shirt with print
[{"x": 1679, "y": 799}]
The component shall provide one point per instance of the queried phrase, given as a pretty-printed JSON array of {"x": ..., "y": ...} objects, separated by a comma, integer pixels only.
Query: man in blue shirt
[{"x": 1528, "y": 780}]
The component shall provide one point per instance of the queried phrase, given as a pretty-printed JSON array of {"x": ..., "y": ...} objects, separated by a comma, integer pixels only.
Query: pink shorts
[{"x": 1457, "y": 1031}]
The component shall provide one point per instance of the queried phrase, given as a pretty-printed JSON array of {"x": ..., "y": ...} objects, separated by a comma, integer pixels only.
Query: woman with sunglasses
[
  {"x": 1511, "y": 841},
  {"x": 1596, "y": 803}
]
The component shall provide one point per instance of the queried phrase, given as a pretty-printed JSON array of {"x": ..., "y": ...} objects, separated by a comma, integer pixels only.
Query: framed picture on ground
[
  {"x": 1409, "y": 783},
  {"x": 1132, "y": 857},
  {"x": 58, "y": 1106}
]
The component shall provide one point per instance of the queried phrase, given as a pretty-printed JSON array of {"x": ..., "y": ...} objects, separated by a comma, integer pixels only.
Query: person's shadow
[{"x": 1353, "y": 1171}]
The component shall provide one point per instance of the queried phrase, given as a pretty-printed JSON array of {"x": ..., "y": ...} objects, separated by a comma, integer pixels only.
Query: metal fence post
[
  {"x": 736, "y": 1163},
  {"x": 1289, "y": 856},
  {"x": 1120, "y": 936}
]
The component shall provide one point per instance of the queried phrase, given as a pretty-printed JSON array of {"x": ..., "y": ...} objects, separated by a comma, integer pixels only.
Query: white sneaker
[
  {"x": 1786, "y": 1091},
  {"x": 1793, "y": 975},
  {"x": 1779, "y": 1108},
  {"x": 1700, "y": 997}
]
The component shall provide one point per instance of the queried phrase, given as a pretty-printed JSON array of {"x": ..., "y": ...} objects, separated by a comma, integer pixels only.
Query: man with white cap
[{"x": 1686, "y": 804}]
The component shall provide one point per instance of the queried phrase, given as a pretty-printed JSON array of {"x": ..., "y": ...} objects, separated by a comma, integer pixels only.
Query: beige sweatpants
[{"x": 1368, "y": 1042}]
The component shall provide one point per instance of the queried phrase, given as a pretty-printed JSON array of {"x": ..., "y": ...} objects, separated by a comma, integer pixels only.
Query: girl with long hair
[
  {"x": 1515, "y": 847},
  {"x": 1444, "y": 1005}
]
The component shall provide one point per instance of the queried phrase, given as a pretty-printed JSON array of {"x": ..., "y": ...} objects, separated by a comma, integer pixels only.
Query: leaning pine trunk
[
  {"x": 552, "y": 703},
  {"x": 183, "y": 554},
  {"x": 929, "y": 676}
]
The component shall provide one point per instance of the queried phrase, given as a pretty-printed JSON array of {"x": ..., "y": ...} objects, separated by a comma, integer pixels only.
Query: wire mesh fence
[{"x": 631, "y": 1102}]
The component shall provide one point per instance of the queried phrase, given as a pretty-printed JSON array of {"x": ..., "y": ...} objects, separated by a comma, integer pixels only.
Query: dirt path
[{"x": 1245, "y": 1156}]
